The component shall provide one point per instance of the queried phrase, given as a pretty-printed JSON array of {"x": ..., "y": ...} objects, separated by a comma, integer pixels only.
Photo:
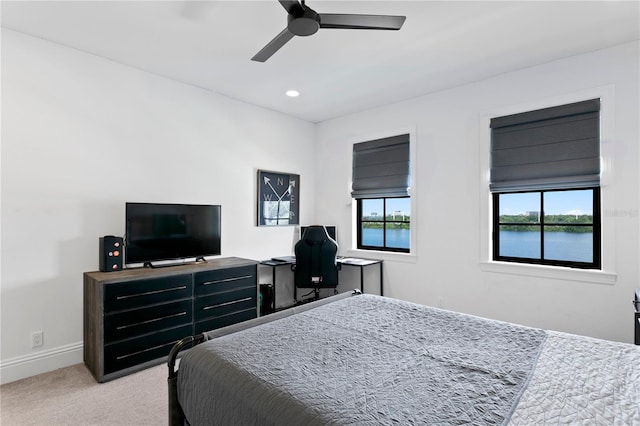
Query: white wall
[
  {"x": 452, "y": 199},
  {"x": 82, "y": 135}
]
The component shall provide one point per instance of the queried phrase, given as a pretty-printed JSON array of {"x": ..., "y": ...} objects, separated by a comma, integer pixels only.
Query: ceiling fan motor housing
[{"x": 304, "y": 22}]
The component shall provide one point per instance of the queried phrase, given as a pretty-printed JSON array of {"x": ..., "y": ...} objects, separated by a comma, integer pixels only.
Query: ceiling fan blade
[
  {"x": 361, "y": 22},
  {"x": 273, "y": 46},
  {"x": 289, "y": 5}
]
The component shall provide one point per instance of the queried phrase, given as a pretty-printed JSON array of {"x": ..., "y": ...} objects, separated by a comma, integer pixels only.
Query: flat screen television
[{"x": 171, "y": 232}]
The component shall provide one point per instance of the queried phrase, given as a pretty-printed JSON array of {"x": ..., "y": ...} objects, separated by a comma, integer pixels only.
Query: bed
[{"x": 369, "y": 360}]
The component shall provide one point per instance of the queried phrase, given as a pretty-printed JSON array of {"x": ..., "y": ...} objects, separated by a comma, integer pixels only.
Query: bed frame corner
[{"x": 176, "y": 416}]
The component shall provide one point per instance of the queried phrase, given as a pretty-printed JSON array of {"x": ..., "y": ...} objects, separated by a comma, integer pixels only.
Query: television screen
[{"x": 158, "y": 232}]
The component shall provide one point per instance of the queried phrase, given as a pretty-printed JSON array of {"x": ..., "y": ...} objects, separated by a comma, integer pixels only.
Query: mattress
[{"x": 375, "y": 360}]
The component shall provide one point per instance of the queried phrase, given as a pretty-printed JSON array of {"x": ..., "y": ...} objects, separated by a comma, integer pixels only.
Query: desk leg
[
  {"x": 273, "y": 269},
  {"x": 361, "y": 279},
  {"x": 381, "y": 286}
]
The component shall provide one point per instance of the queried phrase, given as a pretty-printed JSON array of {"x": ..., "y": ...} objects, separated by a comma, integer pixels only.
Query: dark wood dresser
[{"x": 133, "y": 317}]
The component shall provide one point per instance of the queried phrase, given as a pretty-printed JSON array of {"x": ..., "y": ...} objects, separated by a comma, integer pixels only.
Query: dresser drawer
[
  {"x": 221, "y": 280},
  {"x": 127, "y": 353},
  {"x": 133, "y": 294},
  {"x": 224, "y": 320},
  {"x": 219, "y": 304},
  {"x": 127, "y": 324}
]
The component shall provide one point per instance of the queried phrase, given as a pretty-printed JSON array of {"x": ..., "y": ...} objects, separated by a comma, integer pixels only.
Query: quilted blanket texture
[
  {"x": 366, "y": 360},
  {"x": 582, "y": 381}
]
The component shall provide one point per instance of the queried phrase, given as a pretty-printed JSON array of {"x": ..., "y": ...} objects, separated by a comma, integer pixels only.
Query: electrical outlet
[
  {"x": 440, "y": 302},
  {"x": 37, "y": 339}
]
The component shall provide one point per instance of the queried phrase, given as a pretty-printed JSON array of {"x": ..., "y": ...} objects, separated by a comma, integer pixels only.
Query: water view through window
[
  {"x": 400, "y": 238},
  {"x": 569, "y": 246},
  {"x": 565, "y": 233},
  {"x": 547, "y": 225},
  {"x": 385, "y": 223}
]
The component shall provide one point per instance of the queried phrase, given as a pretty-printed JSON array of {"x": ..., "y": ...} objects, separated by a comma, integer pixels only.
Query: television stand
[
  {"x": 198, "y": 260},
  {"x": 166, "y": 265}
]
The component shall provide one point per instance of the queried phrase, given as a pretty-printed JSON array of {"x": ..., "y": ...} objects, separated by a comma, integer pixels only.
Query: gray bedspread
[
  {"x": 580, "y": 380},
  {"x": 361, "y": 360}
]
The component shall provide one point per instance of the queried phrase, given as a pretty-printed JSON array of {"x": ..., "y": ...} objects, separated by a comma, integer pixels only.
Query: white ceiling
[{"x": 442, "y": 44}]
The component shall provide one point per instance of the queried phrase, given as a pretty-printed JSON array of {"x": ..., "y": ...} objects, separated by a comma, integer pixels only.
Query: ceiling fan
[{"x": 304, "y": 21}]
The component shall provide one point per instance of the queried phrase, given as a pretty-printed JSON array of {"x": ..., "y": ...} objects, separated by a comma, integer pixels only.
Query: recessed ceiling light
[{"x": 292, "y": 93}]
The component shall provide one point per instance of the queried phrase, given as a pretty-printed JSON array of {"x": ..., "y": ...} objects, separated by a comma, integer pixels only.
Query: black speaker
[
  {"x": 267, "y": 304},
  {"x": 111, "y": 253}
]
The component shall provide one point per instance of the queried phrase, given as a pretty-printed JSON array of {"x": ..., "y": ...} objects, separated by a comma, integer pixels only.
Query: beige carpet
[{"x": 71, "y": 396}]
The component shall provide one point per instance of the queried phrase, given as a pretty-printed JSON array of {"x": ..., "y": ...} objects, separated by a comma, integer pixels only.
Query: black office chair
[{"x": 316, "y": 265}]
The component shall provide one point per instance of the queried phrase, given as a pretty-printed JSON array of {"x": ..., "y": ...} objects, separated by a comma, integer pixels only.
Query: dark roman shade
[
  {"x": 381, "y": 168},
  {"x": 551, "y": 148}
]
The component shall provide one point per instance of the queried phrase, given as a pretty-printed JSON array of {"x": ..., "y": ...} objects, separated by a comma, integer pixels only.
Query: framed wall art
[{"x": 278, "y": 198}]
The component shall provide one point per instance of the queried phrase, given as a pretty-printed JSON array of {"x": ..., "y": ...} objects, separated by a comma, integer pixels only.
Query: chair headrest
[{"x": 315, "y": 233}]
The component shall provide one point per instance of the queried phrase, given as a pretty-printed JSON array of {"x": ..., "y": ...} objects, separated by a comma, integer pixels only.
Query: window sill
[
  {"x": 554, "y": 272},
  {"x": 382, "y": 255}
]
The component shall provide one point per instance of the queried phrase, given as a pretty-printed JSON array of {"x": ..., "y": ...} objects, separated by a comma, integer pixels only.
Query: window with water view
[
  {"x": 384, "y": 224},
  {"x": 559, "y": 227}
]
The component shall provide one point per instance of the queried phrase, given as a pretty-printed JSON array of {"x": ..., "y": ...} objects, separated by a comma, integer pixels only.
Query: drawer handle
[
  {"x": 206, "y": 308},
  {"x": 147, "y": 293},
  {"x": 144, "y": 350},
  {"x": 123, "y": 327},
  {"x": 244, "y": 277}
]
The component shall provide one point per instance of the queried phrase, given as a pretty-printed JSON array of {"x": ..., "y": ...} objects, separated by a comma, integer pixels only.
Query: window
[
  {"x": 545, "y": 184},
  {"x": 381, "y": 182},
  {"x": 559, "y": 227},
  {"x": 384, "y": 224}
]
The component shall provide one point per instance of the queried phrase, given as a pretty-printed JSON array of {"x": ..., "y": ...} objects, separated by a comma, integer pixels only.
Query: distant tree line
[
  {"x": 553, "y": 223},
  {"x": 375, "y": 222}
]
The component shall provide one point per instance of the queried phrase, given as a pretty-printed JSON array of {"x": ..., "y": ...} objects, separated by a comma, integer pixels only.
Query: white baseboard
[{"x": 41, "y": 362}]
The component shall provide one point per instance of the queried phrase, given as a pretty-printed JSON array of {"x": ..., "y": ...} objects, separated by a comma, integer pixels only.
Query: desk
[
  {"x": 361, "y": 263},
  {"x": 349, "y": 261},
  {"x": 274, "y": 264}
]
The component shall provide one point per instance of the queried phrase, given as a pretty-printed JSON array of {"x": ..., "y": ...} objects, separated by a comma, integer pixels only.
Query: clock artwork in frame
[{"x": 278, "y": 198}]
